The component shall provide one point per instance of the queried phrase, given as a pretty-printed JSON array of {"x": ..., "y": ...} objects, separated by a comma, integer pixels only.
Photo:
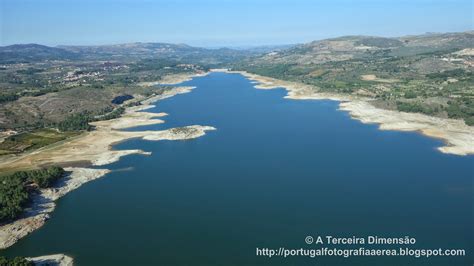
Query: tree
[
  {"x": 17, "y": 261},
  {"x": 14, "y": 194}
]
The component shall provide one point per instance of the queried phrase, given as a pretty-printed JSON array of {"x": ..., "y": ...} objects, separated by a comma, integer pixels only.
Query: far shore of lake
[{"x": 457, "y": 136}]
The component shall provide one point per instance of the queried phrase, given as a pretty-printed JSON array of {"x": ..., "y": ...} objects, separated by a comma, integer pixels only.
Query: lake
[{"x": 274, "y": 172}]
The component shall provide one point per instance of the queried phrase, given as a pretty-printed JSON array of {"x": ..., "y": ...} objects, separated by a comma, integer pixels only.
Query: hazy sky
[{"x": 223, "y": 22}]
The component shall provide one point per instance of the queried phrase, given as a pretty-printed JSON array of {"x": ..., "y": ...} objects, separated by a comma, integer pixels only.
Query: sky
[{"x": 217, "y": 23}]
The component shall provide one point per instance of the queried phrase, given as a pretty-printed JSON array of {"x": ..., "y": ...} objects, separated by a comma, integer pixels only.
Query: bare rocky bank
[
  {"x": 95, "y": 147},
  {"x": 458, "y": 137},
  {"x": 52, "y": 260}
]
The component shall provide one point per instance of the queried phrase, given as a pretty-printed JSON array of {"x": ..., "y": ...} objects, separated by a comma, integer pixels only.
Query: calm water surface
[{"x": 275, "y": 171}]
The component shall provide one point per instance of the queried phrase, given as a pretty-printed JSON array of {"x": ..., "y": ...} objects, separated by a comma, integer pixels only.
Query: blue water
[{"x": 275, "y": 171}]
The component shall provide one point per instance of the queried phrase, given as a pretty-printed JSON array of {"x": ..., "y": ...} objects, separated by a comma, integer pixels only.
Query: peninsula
[{"x": 94, "y": 147}]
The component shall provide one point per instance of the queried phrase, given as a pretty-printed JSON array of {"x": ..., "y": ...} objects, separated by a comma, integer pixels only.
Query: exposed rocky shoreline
[
  {"x": 52, "y": 260},
  {"x": 96, "y": 148},
  {"x": 458, "y": 137},
  {"x": 43, "y": 204}
]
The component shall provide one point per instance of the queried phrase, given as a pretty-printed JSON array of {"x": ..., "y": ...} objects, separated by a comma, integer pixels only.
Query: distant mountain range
[
  {"x": 179, "y": 52},
  {"x": 335, "y": 49},
  {"x": 353, "y": 47},
  {"x": 33, "y": 52}
]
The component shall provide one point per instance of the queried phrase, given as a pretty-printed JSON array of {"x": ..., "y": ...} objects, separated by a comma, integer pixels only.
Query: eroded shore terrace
[
  {"x": 458, "y": 137},
  {"x": 94, "y": 147}
]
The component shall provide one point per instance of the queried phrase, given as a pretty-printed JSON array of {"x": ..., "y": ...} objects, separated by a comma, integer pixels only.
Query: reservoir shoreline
[
  {"x": 184, "y": 188},
  {"x": 94, "y": 147},
  {"x": 457, "y": 136}
]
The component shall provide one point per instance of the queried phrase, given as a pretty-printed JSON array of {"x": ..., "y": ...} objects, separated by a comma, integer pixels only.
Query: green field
[{"x": 33, "y": 140}]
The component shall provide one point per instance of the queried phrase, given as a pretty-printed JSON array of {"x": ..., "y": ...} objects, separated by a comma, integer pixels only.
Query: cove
[{"x": 274, "y": 172}]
